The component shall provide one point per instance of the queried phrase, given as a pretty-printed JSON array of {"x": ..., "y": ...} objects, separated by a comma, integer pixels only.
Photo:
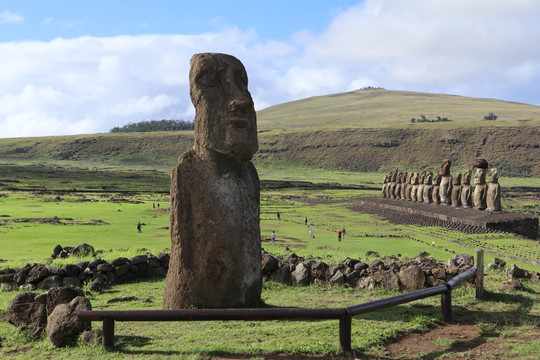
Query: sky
[{"x": 82, "y": 67}]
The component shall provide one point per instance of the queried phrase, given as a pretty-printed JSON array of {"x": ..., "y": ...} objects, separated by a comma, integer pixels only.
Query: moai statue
[
  {"x": 393, "y": 184},
  {"x": 455, "y": 196},
  {"x": 445, "y": 189},
  {"x": 420, "y": 190},
  {"x": 397, "y": 190},
  {"x": 428, "y": 187},
  {"x": 408, "y": 186},
  {"x": 493, "y": 197},
  {"x": 435, "y": 191},
  {"x": 414, "y": 187},
  {"x": 480, "y": 189},
  {"x": 403, "y": 188},
  {"x": 466, "y": 191},
  {"x": 385, "y": 185},
  {"x": 215, "y": 256}
]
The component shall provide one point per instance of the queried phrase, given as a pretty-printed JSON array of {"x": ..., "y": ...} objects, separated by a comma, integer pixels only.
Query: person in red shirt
[{"x": 339, "y": 235}]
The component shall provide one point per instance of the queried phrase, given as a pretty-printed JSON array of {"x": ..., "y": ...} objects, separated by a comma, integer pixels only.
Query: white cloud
[
  {"x": 480, "y": 48},
  {"x": 8, "y": 17}
]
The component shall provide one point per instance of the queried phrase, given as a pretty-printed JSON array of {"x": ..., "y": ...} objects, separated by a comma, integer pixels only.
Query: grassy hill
[
  {"x": 364, "y": 130},
  {"x": 383, "y": 108}
]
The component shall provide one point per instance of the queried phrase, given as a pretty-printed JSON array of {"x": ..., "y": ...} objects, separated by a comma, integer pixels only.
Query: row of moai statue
[{"x": 446, "y": 189}]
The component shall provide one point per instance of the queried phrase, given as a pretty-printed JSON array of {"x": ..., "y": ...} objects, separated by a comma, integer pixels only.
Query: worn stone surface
[
  {"x": 301, "y": 274},
  {"x": 214, "y": 222},
  {"x": 411, "y": 278},
  {"x": 466, "y": 190},
  {"x": 493, "y": 194},
  {"x": 25, "y": 312},
  {"x": 60, "y": 295},
  {"x": 92, "y": 337},
  {"x": 63, "y": 326},
  {"x": 455, "y": 195},
  {"x": 445, "y": 187},
  {"x": 480, "y": 189}
]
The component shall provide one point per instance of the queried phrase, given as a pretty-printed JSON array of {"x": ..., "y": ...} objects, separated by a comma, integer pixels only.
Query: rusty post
[
  {"x": 108, "y": 333},
  {"x": 345, "y": 322},
  {"x": 479, "y": 282},
  {"x": 446, "y": 304}
]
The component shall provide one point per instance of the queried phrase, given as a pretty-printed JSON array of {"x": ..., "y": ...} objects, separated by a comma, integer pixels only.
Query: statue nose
[{"x": 240, "y": 107}]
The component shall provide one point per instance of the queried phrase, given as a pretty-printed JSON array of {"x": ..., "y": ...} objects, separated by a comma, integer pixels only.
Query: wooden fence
[{"x": 344, "y": 315}]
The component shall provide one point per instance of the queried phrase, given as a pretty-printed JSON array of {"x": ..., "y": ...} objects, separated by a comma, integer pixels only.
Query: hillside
[
  {"x": 333, "y": 139},
  {"x": 382, "y": 108}
]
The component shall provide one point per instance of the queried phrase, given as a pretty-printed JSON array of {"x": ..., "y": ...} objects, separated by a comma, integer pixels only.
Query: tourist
[
  {"x": 139, "y": 227},
  {"x": 305, "y": 221},
  {"x": 311, "y": 231},
  {"x": 339, "y": 235},
  {"x": 278, "y": 216},
  {"x": 273, "y": 238},
  {"x": 343, "y": 233}
]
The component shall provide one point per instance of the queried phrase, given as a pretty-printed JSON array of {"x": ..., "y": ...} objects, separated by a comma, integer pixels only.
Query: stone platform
[{"x": 505, "y": 221}]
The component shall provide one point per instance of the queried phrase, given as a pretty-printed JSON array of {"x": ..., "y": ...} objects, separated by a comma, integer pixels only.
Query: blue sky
[{"x": 71, "y": 67}]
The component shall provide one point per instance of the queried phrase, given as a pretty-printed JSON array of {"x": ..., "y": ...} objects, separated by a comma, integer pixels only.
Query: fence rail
[{"x": 344, "y": 315}]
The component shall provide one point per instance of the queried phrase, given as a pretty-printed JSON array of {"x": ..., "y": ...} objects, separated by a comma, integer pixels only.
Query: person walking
[
  {"x": 273, "y": 238},
  {"x": 139, "y": 227},
  {"x": 310, "y": 232},
  {"x": 305, "y": 221},
  {"x": 343, "y": 233},
  {"x": 339, "y": 235},
  {"x": 278, "y": 216}
]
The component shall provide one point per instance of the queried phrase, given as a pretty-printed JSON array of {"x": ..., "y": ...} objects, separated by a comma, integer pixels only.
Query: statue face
[
  {"x": 480, "y": 176},
  {"x": 466, "y": 180},
  {"x": 225, "y": 120},
  {"x": 493, "y": 175}
]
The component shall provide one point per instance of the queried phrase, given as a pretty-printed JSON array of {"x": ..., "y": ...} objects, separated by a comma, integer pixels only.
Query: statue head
[
  {"x": 493, "y": 176},
  {"x": 445, "y": 168},
  {"x": 480, "y": 176},
  {"x": 428, "y": 179},
  {"x": 437, "y": 180},
  {"x": 466, "y": 180},
  {"x": 414, "y": 179},
  {"x": 457, "y": 179},
  {"x": 225, "y": 119},
  {"x": 421, "y": 177},
  {"x": 481, "y": 163}
]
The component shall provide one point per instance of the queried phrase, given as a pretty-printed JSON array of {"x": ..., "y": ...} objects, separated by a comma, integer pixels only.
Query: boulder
[
  {"x": 301, "y": 274},
  {"x": 119, "y": 261},
  {"x": 37, "y": 273},
  {"x": 23, "y": 311},
  {"x": 82, "y": 250},
  {"x": 390, "y": 280},
  {"x": 63, "y": 326},
  {"x": 320, "y": 270},
  {"x": 338, "y": 279},
  {"x": 50, "y": 282},
  {"x": 367, "y": 283},
  {"x": 96, "y": 285},
  {"x": 60, "y": 295},
  {"x": 269, "y": 263},
  {"x": 513, "y": 284},
  {"x": 411, "y": 278},
  {"x": 459, "y": 263},
  {"x": 282, "y": 276},
  {"x": 515, "y": 272},
  {"x": 138, "y": 259},
  {"x": 71, "y": 270},
  {"x": 360, "y": 265}
]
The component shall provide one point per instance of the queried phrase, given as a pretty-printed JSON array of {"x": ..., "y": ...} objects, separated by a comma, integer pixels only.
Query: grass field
[{"x": 106, "y": 219}]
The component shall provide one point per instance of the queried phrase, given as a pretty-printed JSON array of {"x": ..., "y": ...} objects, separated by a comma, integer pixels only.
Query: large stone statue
[
  {"x": 393, "y": 184},
  {"x": 455, "y": 195},
  {"x": 480, "y": 189},
  {"x": 214, "y": 221},
  {"x": 493, "y": 197},
  {"x": 435, "y": 191},
  {"x": 428, "y": 187},
  {"x": 403, "y": 187},
  {"x": 420, "y": 190},
  {"x": 414, "y": 187},
  {"x": 466, "y": 191},
  {"x": 408, "y": 186},
  {"x": 445, "y": 188},
  {"x": 386, "y": 181}
]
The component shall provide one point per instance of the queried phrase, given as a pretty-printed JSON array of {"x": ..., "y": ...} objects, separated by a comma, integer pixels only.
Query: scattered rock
[
  {"x": 411, "y": 278},
  {"x": 24, "y": 311},
  {"x": 92, "y": 337},
  {"x": 63, "y": 326},
  {"x": 513, "y": 284}
]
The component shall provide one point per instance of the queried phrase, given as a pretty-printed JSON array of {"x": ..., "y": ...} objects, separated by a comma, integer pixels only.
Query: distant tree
[
  {"x": 490, "y": 116},
  {"x": 155, "y": 125}
]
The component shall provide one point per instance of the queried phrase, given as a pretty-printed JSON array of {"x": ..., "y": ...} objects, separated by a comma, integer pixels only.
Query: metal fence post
[
  {"x": 479, "y": 282},
  {"x": 345, "y": 332},
  {"x": 446, "y": 304},
  {"x": 108, "y": 333}
]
